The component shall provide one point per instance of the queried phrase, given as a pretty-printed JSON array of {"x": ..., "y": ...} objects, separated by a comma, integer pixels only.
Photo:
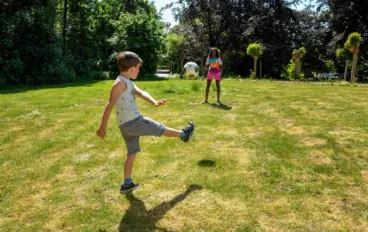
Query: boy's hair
[
  {"x": 127, "y": 59},
  {"x": 214, "y": 49}
]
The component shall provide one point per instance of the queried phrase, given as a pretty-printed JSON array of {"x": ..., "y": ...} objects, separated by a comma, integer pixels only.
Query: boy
[{"x": 132, "y": 124}]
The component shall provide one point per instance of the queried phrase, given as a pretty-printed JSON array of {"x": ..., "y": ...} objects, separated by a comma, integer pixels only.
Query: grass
[{"x": 277, "y": 156}]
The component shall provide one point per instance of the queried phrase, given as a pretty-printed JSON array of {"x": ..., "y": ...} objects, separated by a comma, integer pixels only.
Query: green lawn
[{"x": 277, "y": 156}]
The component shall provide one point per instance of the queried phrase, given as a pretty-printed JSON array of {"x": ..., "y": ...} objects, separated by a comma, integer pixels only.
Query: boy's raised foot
[{"x": 189, "y": 130}]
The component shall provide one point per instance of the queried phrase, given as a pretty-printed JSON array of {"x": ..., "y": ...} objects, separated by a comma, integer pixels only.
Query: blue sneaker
[
  {"x": 128, "y": 188},
  {"x": 189, "y": 130}
]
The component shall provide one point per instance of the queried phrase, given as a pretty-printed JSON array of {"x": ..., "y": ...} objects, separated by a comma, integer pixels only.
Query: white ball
[{"x": 191, "y": 70}]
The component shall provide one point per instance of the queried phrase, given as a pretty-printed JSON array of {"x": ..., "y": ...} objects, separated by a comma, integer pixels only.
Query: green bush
[
  {"x": 129, "y": 36},
  {"x": 252, "y": 75},
  {"x": 196, "y": 86},
  {"x": 289, "y": 71},
  {"x": 98, "y": 75}
]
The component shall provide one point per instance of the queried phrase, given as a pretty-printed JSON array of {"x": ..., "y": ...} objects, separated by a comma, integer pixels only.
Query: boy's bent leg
[
  {"x": 184, "y": 134},
  {"x": 170, "y": 132},
  {"x": 148, "y": 127}
]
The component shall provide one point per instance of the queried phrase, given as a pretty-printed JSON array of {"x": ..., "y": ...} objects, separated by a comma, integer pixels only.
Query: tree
[
  {"x": 255, "y": 50},
  {"x": 343, "y": 18},
  {"x": 30, "y": 49},
  {"x": 343, "y": 56},
  {"x": 352, "y": 44},
  {"x": 54, "y": 41},
  {"x": 192, "y": 47},
  {"x": 140, "y": 32},
  {"x": 205, "y": 18},
  {"x": 297, "y": 55},
  {"x": 174, "y": 50},
  {"x": 65, "y": 15}
]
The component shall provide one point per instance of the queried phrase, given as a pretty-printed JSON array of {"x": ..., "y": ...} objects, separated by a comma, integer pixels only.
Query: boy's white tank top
[{"x": 126, "y": 108}]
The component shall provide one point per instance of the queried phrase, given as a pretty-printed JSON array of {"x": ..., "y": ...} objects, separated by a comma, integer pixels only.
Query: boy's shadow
[
  {"x": 221, "y": 106},
  {"x": 138, "y": 218}
]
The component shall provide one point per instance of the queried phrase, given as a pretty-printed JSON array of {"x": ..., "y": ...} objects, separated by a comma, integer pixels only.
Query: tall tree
[
  {"x": 142, "y": 32},
  {"x": 65, "y": 13},
  {"x": 344, "y": 18},
  {"x": 343, "y": 56},
  {"x": 192, "y": 47},
  {"x": 255, "y": 50},
  {"x": 352, "y": 44},
  {"x": 298, "y": 55}
]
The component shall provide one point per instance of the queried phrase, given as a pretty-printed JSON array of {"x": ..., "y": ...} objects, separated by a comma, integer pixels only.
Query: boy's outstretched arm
[
  {"x": 116, "y": 90},
  {"x": 147, "y": 97}
]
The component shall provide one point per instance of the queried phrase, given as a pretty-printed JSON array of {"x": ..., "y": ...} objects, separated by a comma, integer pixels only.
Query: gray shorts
[{"x": 141, "y": 126}]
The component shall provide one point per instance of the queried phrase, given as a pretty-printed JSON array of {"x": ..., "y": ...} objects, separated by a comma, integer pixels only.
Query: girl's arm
[
  {"x": 206, "y": 64},
  {"x": 220, "y": 64}
]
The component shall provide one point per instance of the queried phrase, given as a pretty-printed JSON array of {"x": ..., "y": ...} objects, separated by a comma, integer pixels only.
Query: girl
[{"x": 214, "y": 63}]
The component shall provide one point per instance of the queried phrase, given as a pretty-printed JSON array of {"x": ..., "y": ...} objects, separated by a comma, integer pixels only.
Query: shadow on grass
[
  {"x": 207, "y": 163},
  {"x": 21, "y": 89},
  {"x": 138, "y": 218},
  {"x": 221, "y": 106},
  {"x": 87, "y": 83}
]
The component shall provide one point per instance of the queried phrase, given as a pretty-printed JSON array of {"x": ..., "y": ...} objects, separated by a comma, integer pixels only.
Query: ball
[{"x": 191, "y": 70}]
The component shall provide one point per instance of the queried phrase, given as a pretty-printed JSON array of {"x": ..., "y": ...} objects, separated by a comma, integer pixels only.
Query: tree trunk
[
  {"x": 297, "y": 70},
  {"x": 182, "y": 66},
  {"x": 346, "y": 69},
  {"x": 201, "y": 67},
  {"x": 128, "y": 5},
  {"x": 64, "y": 24},
  {"x": 353, "y": 71},
  {"x": 260, "y": 68},
  {"x": 255, "y": 67}
]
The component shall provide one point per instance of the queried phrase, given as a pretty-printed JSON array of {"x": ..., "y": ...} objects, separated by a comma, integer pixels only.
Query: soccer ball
[{"x": 191, "y": 70}]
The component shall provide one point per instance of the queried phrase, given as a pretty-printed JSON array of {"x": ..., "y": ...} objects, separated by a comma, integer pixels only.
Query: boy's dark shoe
[
  {"x": 128, "y": 188},
  {"x": 189, "y": 130}
]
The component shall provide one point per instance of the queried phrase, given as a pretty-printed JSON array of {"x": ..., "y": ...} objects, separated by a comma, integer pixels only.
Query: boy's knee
[{"x": 131, "y": 156}]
